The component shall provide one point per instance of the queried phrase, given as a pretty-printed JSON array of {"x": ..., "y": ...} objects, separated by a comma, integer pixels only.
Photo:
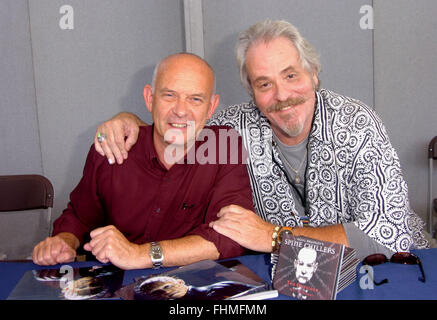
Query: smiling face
[
  {"x": 181, "y": 101},
  {"x": 283, "y": 90}
]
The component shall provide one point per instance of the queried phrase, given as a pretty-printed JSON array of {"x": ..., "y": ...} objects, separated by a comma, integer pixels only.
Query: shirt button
[{"x": 158, "y": 210}]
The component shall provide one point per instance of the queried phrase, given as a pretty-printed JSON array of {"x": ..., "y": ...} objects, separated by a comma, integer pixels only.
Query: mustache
[{"x": 290, "y": 102}]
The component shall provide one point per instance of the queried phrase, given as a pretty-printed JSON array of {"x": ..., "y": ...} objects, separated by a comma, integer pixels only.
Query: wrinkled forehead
[
  {"x": 185, "y": 74},
  {"x": 186, "y": 63}
]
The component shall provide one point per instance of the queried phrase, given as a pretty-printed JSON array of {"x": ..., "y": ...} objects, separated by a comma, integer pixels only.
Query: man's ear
[
  {"x": 148, "y": 97},
  {"x": 214, "y": 104},
  {"x": 315, "y": 81}
]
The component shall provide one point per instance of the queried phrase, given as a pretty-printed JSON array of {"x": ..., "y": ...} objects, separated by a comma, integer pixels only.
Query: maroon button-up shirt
[{"x": 147, "y": 202}]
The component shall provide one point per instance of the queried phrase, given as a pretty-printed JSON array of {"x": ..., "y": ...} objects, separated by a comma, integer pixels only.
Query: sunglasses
[{"x": 399, "y": 257}]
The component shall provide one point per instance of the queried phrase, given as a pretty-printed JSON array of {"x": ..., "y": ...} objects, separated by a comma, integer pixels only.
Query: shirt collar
[{"x": 150, "y": 151}]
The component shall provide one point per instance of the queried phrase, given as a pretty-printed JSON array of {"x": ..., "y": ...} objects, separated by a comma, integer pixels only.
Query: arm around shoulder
[{"x": 116, "y": 136}]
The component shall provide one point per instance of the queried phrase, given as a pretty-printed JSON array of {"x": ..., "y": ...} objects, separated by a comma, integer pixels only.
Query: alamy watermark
[
  {"x": 366, "y": 21},
  {"x": 66, "y": 22},
  {"x": 222, "y": 146},
  {"x": 67, "y": 280},
  {"x": 367, "y": 280}
]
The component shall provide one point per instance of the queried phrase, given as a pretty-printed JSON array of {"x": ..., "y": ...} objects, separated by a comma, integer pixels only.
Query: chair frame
[
  {"x": 432, "y": 203},
  {"x": 27, "y": 192}
]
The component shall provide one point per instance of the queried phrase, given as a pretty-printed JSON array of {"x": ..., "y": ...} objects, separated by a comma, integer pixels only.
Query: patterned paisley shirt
[{"x": 353, "y": 173}]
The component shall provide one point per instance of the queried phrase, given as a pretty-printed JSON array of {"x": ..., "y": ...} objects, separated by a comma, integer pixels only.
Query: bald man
[
  {"x": 305, "y": 264},
  {"x": 155, "y": 209}
]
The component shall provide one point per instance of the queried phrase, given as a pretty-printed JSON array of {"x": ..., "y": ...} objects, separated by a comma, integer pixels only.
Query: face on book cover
[
  {"x": 181, "y": 101},
  {"x": 305, "y": 264},
  {"x": 164, "y": 287}
]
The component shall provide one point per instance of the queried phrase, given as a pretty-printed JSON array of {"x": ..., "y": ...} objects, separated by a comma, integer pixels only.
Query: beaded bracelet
[{"x": 275, "y": 237}]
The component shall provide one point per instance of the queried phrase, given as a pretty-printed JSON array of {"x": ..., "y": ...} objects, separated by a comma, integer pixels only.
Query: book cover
[
  {"x": 67, "y": 283},
  {"x": 237, "y": 266},
  {"x": 308, "y": 269},
  {"x": 203, "y": 280}
]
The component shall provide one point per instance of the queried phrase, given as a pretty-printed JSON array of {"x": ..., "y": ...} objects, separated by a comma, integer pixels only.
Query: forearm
[
  {"x": 181, "y": 251},
  {"x": 333, "y": 233}
]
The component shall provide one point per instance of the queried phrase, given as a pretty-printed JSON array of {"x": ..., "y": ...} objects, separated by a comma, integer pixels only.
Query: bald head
[
  {"x": 308, "y": 255},
  {"x": 181, "y": 99},
  {"x": 188, "y": 60},
  {"x": 305, "y": 264}
]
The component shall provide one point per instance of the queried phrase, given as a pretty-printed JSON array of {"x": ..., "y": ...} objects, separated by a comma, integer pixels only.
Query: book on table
[
  {"x": 203, "y": 280},
  {"x": 68, "y": 283},
  {"x": 310, "y": 269}
]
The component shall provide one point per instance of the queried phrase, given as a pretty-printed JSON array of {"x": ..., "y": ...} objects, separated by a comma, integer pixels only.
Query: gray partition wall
[
  {"x": 68, "y": 65},
  {"x": 85, "y": 75},
  {"x": 333, "y": 27},
  {"x": 405, "y": 94},
  {"x": 19, "y": 138},
  {"x": 20, "y": 151},
  {"x": 57, "y": 84}
]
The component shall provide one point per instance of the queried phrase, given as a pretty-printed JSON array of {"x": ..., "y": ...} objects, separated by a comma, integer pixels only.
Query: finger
[
  {"x": 118, "y": 136},
  {"x": 231, "y": 209},
  {"x": 227, "y": 229},
  {"x": 101, "y": 256},
  {"x": 132, "y": 137},
  {"x": 66, "y": 255},
  {"x": 55, "y": 249},
  {"x": 102, "y": 251},
  {"x": 94, "y": 242},
  {"x": 228, "y": 222},
  {"x": 44, "y": 255},
  {"x": 36, "y": 253},
  {"x": 229, "y": 215},
  {"x": 106, "y": 147},
  {"x": 40, "y": 252},
  {"x": 97, "y": 144},
  {"x": 106, "y": 260},
  {"x": 107, "y": 152},
  {"x": 44, "y": 259},
  {"x": 101, "y": 237},
  {"x": 87, "y": 247},
  {"x": 233, "y": 221},
  {"x": 110, "y": 142},
  {"x": 98, "y": 231}
]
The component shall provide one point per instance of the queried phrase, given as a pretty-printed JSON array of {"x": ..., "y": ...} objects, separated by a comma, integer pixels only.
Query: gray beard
[{"x": 293, "y": 129}]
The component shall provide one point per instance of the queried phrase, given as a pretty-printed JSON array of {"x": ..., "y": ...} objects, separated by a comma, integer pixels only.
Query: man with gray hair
[{"x": 321, "y": 164}]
